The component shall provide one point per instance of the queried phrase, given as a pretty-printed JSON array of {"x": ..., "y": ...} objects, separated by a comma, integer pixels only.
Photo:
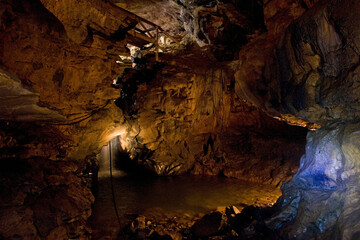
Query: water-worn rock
[
  {"x": 188, "y": 117},
  {"x": 138, "y": 224},
  {"x": 316, "y": 201},
  {"x": 312, "y": 72},
  {"x": 179, "y": 117},
  {"x": 21, "y": 104}
]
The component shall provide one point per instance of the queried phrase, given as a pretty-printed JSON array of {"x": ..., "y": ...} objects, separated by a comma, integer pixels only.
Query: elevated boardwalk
[{"x": 142, "y": 32}]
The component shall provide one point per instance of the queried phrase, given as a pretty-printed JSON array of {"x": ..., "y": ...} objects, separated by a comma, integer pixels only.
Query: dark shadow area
[{"x": 129, "y": 81}]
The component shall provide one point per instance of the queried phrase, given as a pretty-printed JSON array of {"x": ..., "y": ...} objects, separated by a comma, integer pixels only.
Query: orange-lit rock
[
  {"x": 190, "y": 119},
  {"x": 188, "y": 116}
]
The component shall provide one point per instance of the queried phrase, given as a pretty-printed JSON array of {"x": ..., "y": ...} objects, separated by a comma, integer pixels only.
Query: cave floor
[{"x": 171, "y": 203}]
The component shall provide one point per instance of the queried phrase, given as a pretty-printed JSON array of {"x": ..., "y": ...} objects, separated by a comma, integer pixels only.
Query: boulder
[{"x": 209, "y": 225}]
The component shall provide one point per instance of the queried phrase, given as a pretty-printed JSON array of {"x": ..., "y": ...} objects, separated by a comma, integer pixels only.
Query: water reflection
[{"x": 180, "y": 197}]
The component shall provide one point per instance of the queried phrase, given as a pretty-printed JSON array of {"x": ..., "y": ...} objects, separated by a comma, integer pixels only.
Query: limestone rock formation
[
  {"x": 44, "y": 195},
  {"x": 21, "y": 104},
  {"x": 329, "y": 174},
  {"x": 185, "y": 120},
  {"x": 70, "y": 78},
  {"x": 311, "y": 73},
  {"x": 187, "y": 117},
  {"x": 313, "y": 69},
  {"x": 225, "y": 25}
]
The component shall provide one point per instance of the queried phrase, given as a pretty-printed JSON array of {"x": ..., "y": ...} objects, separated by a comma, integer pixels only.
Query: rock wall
[
  {"x": 321, "y": 199},
  {"x": 70, "y": 78},
  {"x": 255, "y": 57},
  {"x": 20, "y": 103},
  {"x": 73, "y": 75},
  {"x": 44, "y": 195},
  {"x": 45, "y": 174},
  {"x": 311, "y": 73},
  {"x": 225, "y": 25},
  {"x": 190, "y": 119}
]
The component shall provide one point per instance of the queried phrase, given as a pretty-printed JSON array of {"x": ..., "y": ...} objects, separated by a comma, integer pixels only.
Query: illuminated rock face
[
  {"x": 20, "y": 104},
  {"x": 190, "y": 118},
  {"x": 72, "y": 79},
  {"x": 323, "y": 198},
  {"x": 312, "y": 73},
  {"x": 44, "y": 194}
]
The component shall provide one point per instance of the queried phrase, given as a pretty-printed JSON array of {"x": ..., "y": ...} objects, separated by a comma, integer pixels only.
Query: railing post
[{"x": 157, "y": 44}]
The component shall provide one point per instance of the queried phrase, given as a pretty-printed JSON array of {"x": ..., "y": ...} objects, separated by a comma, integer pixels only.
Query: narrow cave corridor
[{"x": 224, "y": 119}]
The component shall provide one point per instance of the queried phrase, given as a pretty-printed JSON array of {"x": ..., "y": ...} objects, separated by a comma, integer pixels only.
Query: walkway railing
[{"x": 146, "y": 31}]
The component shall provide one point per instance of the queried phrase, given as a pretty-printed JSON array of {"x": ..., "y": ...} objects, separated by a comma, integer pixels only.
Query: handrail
[{"x": 147, "y": 33}]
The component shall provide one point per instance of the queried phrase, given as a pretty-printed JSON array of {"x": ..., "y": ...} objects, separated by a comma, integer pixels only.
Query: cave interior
[{"x": 179, "y": 119}]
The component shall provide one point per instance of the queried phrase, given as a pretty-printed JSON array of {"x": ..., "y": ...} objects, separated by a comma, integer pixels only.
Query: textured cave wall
[
  {"x": 189, "y": 118},
  {"x": 71, "y": 78},
  {"x": 43, "y": 194},
  {"x": 223, "y": 25},
  {"x": 44, "y": 169},
  {"x": 311, "y": 73},
  {"x": 319, "y": 61},
  {"x": 20, "y": 103},
  {"x": 322, "y": 198},
  {"x": 255, "y": 56}
]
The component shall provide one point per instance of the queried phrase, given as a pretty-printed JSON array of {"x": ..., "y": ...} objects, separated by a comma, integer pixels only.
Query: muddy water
[{"x": 183, "y": 198}]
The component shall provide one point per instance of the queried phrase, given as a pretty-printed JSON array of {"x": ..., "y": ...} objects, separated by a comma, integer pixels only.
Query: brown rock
[{"x": 17, "y": 221}]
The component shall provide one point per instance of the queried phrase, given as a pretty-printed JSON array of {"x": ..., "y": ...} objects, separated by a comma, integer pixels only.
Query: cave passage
[{"x": 183, "y": 199}]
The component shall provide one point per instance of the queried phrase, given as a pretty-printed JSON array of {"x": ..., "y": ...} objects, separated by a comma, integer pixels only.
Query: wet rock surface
[
  {"x": 209, "y": 225},
  {"x": 183, "y": 118},
  {"x": 328, "y": 173},
  {"x": 224, "y": 223}
]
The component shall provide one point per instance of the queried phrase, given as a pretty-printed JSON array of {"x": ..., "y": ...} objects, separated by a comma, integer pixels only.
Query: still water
[{"x": 183, "y": 198}]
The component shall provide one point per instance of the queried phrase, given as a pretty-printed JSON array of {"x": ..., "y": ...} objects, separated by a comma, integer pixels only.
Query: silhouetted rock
[{"x": 209, "y": 225}]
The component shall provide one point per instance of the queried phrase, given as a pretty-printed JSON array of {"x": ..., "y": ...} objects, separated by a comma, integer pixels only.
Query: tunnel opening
[{"x": 123, "y": 161}]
